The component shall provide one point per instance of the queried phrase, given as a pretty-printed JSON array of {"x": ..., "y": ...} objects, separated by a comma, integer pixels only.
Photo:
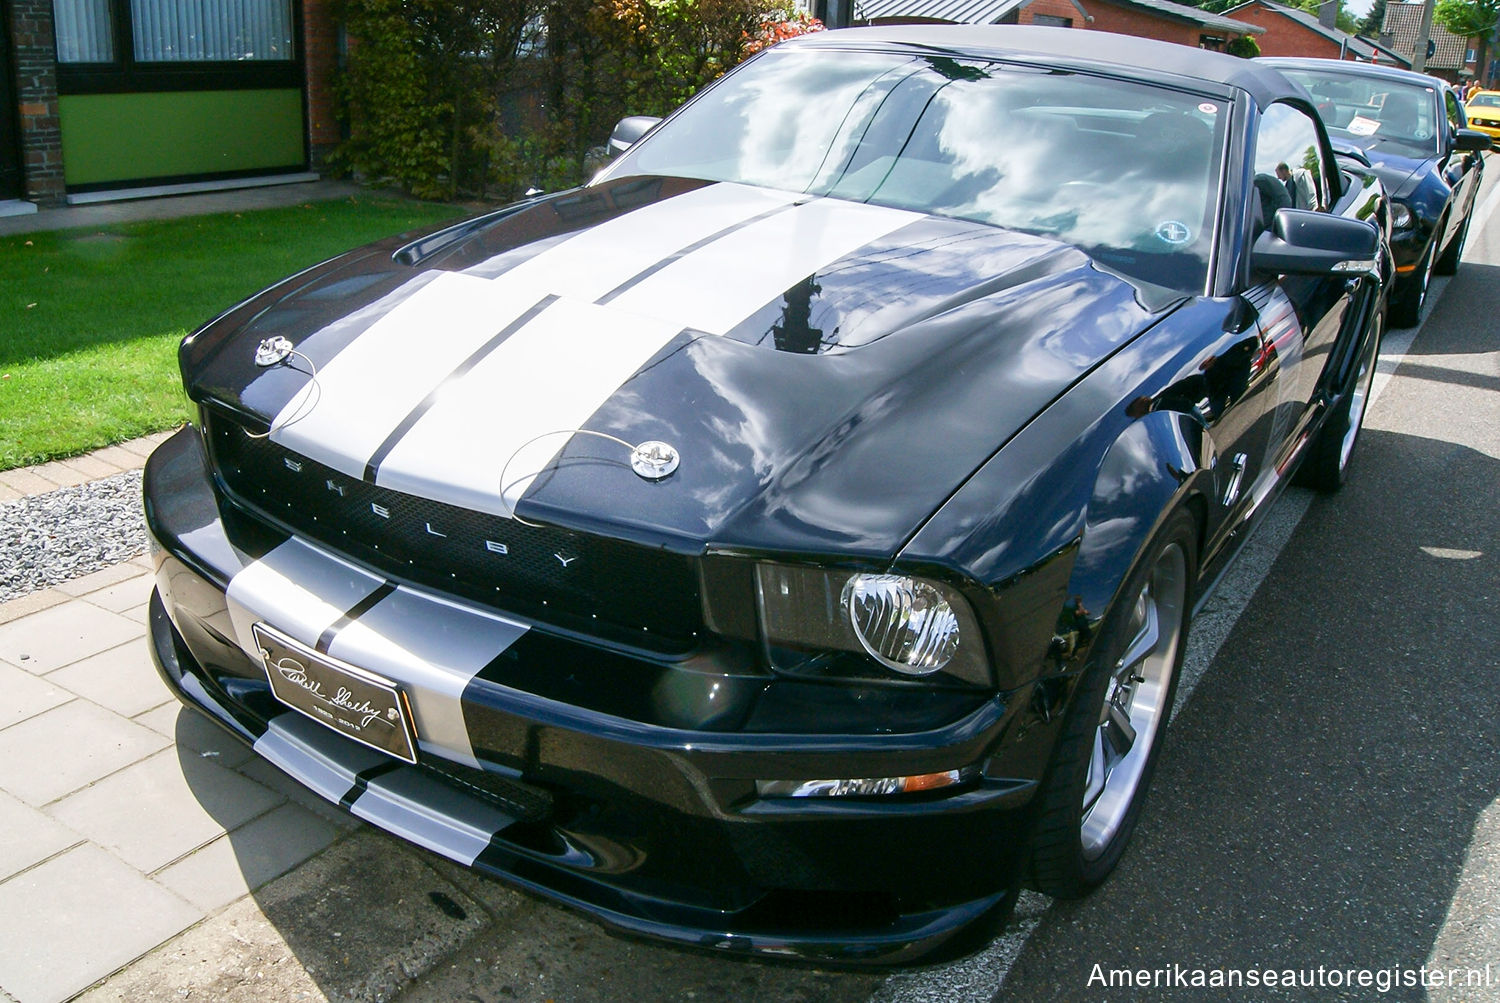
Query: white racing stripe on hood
[
  {"x": 296, "y": 588},
  {"x": 433, "y": 649},
  {"x": 447, "y": 390},
  {"x": 552, "y": 374},
  {"x": 589, "y": 264},
  {"x": 720, "y": 285},
  {"x": 369, "y": 387}
]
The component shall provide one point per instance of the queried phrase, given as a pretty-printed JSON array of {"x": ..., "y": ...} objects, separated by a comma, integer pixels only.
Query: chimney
[{"x": 1328, "y": 13}]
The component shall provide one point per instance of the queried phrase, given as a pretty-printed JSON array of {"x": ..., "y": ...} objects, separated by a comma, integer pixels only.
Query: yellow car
[{"x": 1483, "y": 110}]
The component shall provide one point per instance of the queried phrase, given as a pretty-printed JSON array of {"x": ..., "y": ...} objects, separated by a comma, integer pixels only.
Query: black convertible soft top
[{"x": 1144, "y": 58}]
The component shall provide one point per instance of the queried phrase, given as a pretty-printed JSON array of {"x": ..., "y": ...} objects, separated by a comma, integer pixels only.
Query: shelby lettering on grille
[
  {"x": 355, "y": 703},
  {"x": 637, "y": 595}
]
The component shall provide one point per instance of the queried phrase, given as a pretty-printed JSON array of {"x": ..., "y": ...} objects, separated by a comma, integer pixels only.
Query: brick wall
[
  {"x": 1121, "y": 20},
  {"x": 35, "y": 56},
  {"x": 1285, "y": 37},
  {"x": 320, "y": 40}
]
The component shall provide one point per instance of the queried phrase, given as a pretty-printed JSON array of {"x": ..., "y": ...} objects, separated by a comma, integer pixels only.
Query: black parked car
[
  {"x": 788, "y": 540},
  {"x": 1413, "y": 130}
]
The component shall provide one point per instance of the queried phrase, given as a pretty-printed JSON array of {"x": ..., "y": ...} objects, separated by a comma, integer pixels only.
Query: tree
[
  {"x": 1470, "y": 19},
  {"x": 1374, "y": 22},
  {"x": 1245, "y": 46}
]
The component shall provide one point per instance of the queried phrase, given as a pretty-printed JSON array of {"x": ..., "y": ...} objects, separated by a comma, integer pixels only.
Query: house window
[
  {"x": 199, "y": 32},
  {"x": 211, "y": 31},
  {"x": 1052, "y": 21},
  {"x": 1469, "y": 56},
  {"x": 84, "y": 31}
]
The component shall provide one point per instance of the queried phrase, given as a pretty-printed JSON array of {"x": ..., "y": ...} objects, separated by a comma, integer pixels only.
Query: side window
[
  {"x": 1455, "y": 113},
  {"x": 1289, "y": 169}
]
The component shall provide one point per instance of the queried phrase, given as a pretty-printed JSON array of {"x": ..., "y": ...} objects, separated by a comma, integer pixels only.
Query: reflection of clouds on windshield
[
  {"x": 1038, "y": 174},
  {"x": 793, "y": 118}
]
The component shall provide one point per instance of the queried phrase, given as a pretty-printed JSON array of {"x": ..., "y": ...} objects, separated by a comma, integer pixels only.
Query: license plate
[{"x": 356, "y": 703}]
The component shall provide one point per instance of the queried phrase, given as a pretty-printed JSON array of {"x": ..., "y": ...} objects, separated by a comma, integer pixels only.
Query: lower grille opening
[{"x": 525, "y": 802}]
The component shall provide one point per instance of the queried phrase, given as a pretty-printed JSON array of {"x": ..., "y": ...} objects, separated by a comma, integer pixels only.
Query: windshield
[
  {"x": 1374, "y": 111},
  {"x": 1126, "y": 171},
  {"x": 1485, "y": 101}
]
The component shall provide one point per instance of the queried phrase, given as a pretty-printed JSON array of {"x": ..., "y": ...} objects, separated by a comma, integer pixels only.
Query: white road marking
[{"x": 982, "y": 976}]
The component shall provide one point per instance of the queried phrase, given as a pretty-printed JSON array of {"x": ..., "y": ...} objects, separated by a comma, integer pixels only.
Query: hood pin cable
[
  {"x": 652, "y": 460},
  {"x": 272, "y": 352}
]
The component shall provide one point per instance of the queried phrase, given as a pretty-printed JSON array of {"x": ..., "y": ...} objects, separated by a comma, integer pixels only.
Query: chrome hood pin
[{"x": 653, "y": 460}]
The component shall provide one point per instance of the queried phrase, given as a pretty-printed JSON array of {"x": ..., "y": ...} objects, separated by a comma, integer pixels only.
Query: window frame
[{"x": 127, "y": 75}]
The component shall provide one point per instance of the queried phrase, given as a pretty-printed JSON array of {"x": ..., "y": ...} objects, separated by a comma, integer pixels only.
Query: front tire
[
  {"x": 1326, "y": 466},
  {"x": 1107, "y": 752},
  {"x": 1407, "y": 310},
  {"x": 1448, "y": 263}
]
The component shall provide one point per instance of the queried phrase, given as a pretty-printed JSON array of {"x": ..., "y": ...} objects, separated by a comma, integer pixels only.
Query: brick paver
[
  {"x": 124, "y": 817},
  {"x": 23, "y": 482}
]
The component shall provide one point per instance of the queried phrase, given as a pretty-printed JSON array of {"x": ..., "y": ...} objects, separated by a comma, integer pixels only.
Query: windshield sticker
[
  {"x": 1361, "y": 126},
  {"x": 1208, "y": 109},
  {"x": 1173, "y": 232}
]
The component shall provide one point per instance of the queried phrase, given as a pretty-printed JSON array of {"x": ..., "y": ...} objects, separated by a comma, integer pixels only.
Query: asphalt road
[{"x": 1329, "y": 798}]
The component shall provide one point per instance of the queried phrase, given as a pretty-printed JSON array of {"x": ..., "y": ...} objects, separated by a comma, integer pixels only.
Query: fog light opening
[{"x": 865, "y": 786}]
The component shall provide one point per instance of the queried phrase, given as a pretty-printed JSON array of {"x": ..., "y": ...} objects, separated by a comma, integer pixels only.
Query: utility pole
[{"x": 1419, "y": 54}]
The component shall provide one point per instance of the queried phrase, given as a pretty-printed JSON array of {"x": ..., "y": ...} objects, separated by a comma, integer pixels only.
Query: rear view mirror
[
  {"x": 1314, "y": 243},
  {"x": 628, "y": 131},
  {"x": 1470, "y": 141}
]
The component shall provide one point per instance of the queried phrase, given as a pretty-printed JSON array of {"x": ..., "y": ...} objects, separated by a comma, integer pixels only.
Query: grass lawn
[{"x": 90, "y": 319}]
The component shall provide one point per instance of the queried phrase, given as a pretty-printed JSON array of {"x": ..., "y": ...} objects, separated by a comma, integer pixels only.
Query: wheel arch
[{"x": 1159, "y": 464}]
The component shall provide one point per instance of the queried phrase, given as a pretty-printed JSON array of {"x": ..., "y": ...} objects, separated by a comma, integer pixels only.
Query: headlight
[
  {"x": 1400, "y": 216},
  {"x": 910, "y": 626},
  {"x": 903, "y": 623}
]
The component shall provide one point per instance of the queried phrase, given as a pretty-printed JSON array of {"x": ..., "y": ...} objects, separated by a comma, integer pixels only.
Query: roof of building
[
  {"x": 1386, "y": 51},
  {"x": 955, "y": 11},
  {"x": 1356, "y": 45},
  {"x": 991, "y": 11},
  {"x": 1403, "y": 22},
  {"x": 1142, "y": 58}
]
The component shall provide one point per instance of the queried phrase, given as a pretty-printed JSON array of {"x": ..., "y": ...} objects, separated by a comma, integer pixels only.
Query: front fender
[{"x": 1155, "y": 466}]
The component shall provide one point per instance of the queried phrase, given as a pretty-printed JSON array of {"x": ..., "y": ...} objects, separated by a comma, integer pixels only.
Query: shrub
[{"x": 486, "y": 98}]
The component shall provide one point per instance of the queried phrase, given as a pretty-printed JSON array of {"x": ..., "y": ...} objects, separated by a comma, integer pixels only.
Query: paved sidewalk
[
  {"x": 177, "y": 206},
  {"x": 124, "y": 819},
  {"x": 23, "y": 482},
  {"x": 145, "y": 854}
]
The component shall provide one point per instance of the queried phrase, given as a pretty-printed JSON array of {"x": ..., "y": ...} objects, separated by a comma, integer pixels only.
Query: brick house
[
  {"x": 1293, "y": 32},
  {"x": 1159, "y": 19},
  {"x": 1453, "y": 57},
  {"x": 105, "y": 98}
]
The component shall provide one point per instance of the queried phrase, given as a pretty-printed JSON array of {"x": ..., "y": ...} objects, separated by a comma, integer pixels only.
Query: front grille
[{"x": 635, "y": 594}]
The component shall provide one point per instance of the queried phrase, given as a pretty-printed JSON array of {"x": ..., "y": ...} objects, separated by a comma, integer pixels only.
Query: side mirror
[
  {"x": 1314, "y": 243},
  {"x": 1470, "y": 141},
  {"x": 628, "y": 131}
]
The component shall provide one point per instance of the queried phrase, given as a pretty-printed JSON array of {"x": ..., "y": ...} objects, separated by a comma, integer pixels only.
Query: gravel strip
[{"x": 68, "y": 533}]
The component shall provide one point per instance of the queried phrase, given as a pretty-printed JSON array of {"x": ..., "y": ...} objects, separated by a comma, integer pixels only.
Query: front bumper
[{"x": 653, "y": 829}]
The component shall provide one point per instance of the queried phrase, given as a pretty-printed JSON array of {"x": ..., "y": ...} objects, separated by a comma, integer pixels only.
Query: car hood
[
  {"x": 826, "y": 372},
  {"x": 1399, "y": 174}
]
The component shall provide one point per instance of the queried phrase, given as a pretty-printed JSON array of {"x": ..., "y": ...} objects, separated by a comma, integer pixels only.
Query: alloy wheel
[{"x": 1135, "y": 703}]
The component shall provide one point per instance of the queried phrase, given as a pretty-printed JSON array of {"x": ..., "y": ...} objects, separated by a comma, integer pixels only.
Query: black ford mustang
[
  {"x": 1413, "y": 132},
  {"x": 786, "y": 542}
]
